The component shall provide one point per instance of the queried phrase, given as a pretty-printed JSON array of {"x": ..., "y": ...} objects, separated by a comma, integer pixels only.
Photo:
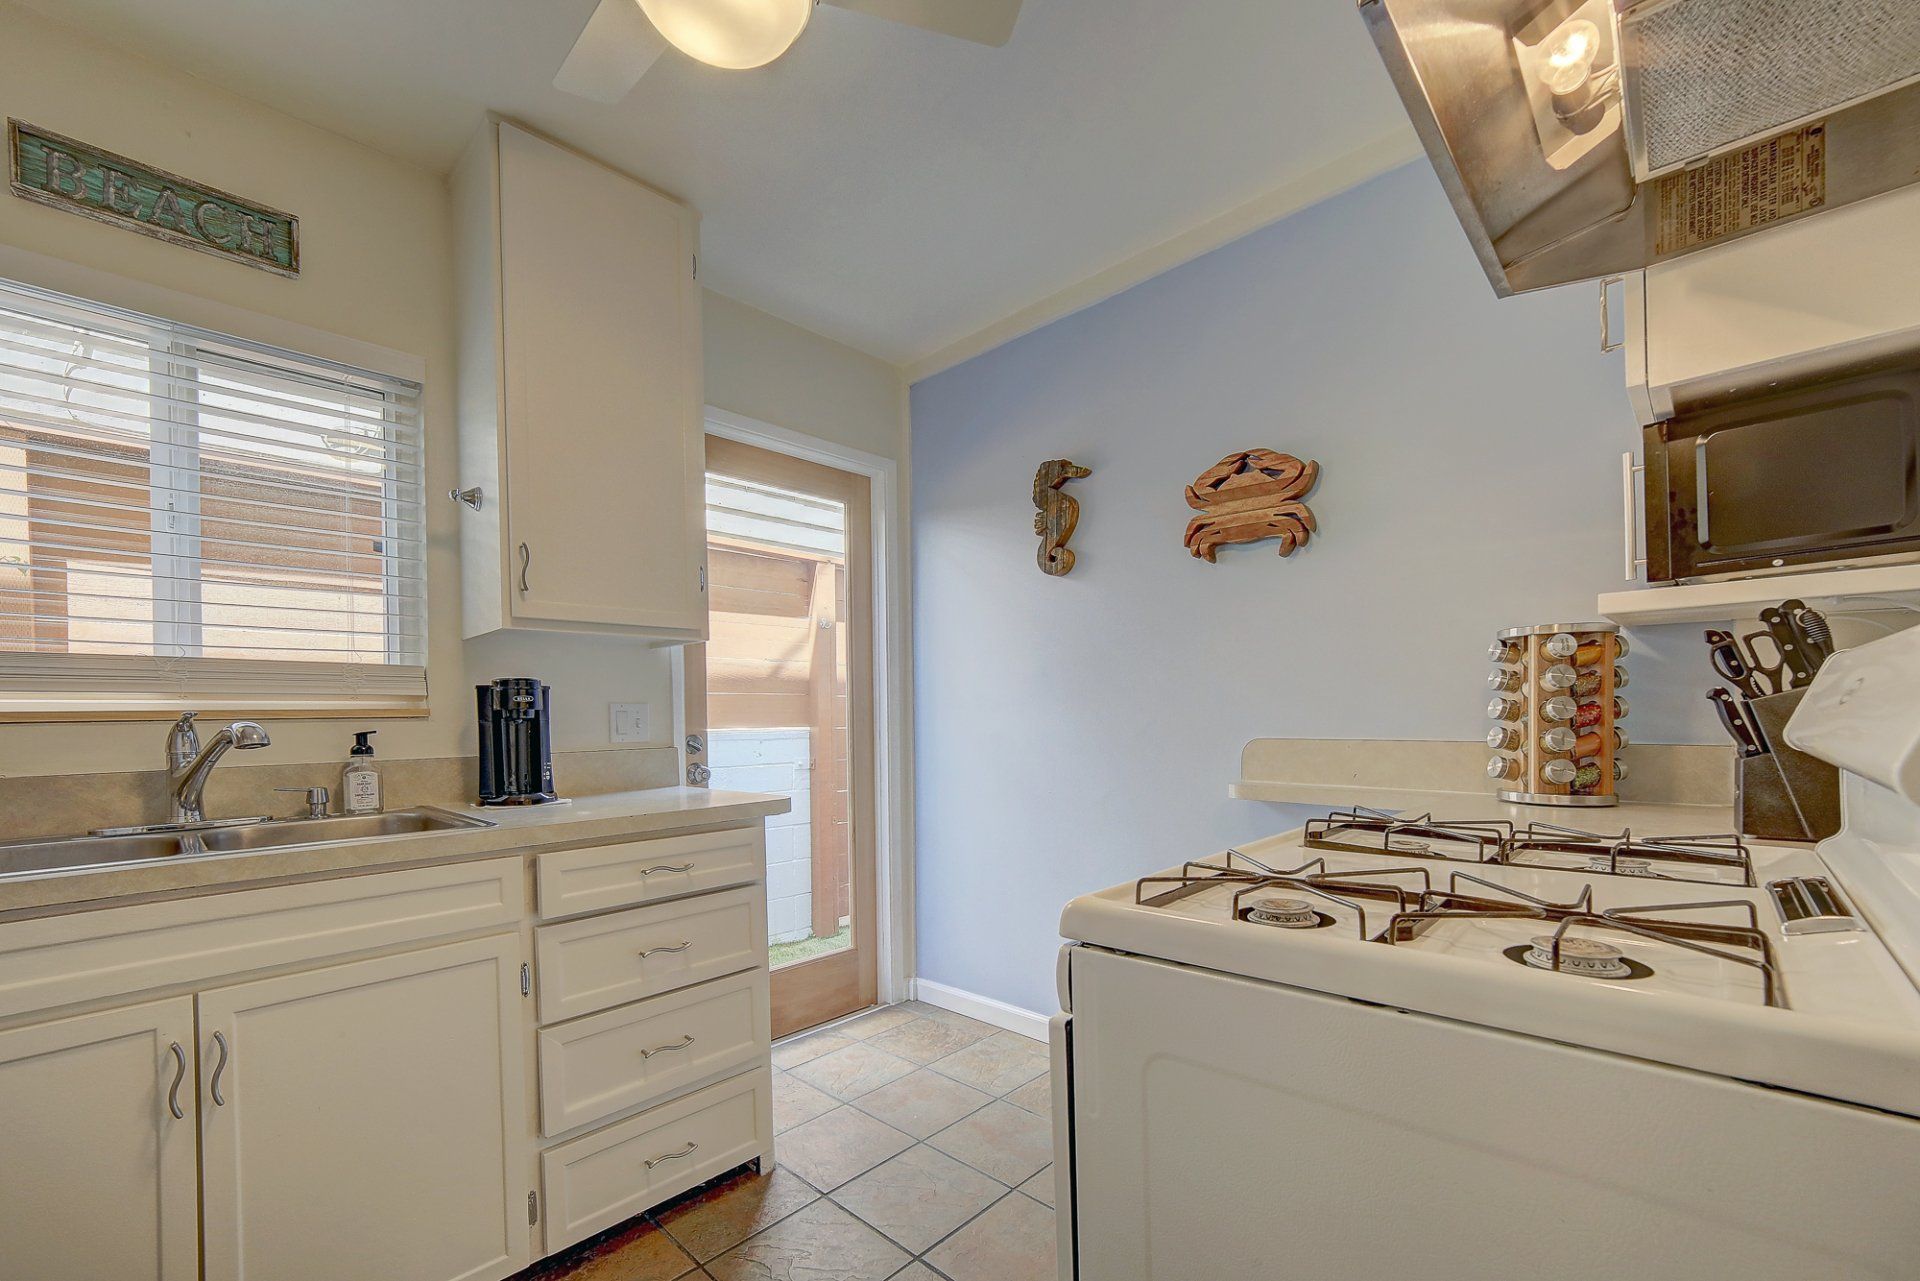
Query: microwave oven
[{"x": 1819, "y": 473}]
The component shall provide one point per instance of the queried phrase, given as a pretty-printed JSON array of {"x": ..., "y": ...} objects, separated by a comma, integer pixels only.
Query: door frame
[{"x": 893, "y": 870}]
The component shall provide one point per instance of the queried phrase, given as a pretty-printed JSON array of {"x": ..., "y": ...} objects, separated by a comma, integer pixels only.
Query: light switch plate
[{"x": 630, "y": 722}]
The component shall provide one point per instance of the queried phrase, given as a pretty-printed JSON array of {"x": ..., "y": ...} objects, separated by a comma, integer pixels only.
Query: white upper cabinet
[
  {"x": 581, "y": 394},
  {"x": 1808, "y": 299}
]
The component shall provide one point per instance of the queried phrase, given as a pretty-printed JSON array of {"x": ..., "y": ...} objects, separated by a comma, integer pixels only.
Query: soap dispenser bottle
[{"x": 360, "y": 780}]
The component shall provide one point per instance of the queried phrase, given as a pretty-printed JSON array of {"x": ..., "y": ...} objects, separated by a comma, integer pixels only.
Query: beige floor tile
[
  {"x": 915, "y": 1272},
  {"x": 1036, "y": 1096},
  {"x": 924, "y": 1040},
  {"x": 843, "y": 1144},
  {"x": 881, "y": 1020},
  {"x": 919, "y": 1196},
  {"x": 725, "y": 1215},
  {"x": 1000, "y": 1139},
  {"x": 640, "y": 1253},
  {"x": 1013, "y": 1241},
  {"x": 820, "y": 1243},
  {"x": 848, "y": 1073},
  {"x": 922, "y": 1104},
  {"x": 808, "y": 1048},
  {"x": 1040, "y": 1187},
  {"x": 1001, "y": 1063},
  {"x": 795, "y": 1102},
  {"x": 948, "y": 1017}
]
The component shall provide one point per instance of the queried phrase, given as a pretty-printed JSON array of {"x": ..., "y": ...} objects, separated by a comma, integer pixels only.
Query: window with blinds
[{"x": 188, "y": 519}]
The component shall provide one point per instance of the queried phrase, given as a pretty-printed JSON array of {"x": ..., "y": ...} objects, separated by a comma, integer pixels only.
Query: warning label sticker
[{"x": 1744, "y": 189}]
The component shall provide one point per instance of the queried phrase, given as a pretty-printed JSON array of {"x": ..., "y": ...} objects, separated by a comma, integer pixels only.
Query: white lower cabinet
[
  {"x": 602, "y": 1178},
  {"x": 369, "y": 1120},
  {"x": 374, "y": 1119},
  {"x": 98, "y": 1177}
]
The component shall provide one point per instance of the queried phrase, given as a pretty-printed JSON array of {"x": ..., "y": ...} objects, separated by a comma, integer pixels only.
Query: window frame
[{"x": 105, "y": 687}]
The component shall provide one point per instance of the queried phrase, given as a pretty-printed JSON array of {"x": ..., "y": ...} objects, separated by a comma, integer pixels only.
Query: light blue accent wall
[{"x": 1075, "y": 732}]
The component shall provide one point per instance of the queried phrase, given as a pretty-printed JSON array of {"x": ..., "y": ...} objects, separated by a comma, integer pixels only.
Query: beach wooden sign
[{"x": 61, "y": 173}]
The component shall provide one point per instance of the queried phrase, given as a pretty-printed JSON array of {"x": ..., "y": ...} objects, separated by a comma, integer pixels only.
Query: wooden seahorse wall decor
[
  {"x": 1249, "y": 496},
  {"x": 1058, "y": 514}
]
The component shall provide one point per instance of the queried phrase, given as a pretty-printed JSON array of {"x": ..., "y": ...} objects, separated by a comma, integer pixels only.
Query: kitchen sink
[{"x": 121, "y": 848}]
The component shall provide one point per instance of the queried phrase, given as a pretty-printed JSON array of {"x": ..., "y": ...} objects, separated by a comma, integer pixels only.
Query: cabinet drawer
[
  {"x": 609, "y": 960},
  {"x": 613, "y": 1174},
  {"x": 120, "y": 951},
  {"x": 594, "y": 1067},
  {"x": 570, "y": 882}
]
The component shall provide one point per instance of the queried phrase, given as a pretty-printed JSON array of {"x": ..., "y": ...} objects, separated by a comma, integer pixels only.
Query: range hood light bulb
[
  {"x": 1570, "y": 58},
  {"x": 735, "y": 35}
]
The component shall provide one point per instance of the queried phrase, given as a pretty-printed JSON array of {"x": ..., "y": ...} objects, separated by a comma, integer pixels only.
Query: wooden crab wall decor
[
  {"x": 1057, "y": 516},
  {"x": 1249, "y": 496}
]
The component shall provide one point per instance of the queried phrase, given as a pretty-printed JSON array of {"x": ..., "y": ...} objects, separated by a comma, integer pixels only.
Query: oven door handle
[{"x": 1631, "y": 562}]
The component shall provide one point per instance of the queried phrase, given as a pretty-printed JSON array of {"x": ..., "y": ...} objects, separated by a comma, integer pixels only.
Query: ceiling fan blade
[
  {"x": 981, "y": 21},
  {"x": 614, "y": 50}
]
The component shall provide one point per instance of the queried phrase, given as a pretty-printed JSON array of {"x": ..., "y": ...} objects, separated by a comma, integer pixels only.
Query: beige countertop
[{"x": 583, "y": 820}]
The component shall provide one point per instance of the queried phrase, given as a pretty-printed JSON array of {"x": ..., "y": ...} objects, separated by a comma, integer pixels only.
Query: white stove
[{"x": 1483, "y": 1050}]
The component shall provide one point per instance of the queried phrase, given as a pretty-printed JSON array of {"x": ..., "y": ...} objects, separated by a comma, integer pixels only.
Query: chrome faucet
[{"x": 188, "y": 764}]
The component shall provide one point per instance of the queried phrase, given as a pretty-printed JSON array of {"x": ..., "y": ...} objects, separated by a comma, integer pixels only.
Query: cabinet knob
[
  {"x": 219, "y": 1069},
  {"x": 688, "y": 1150},
  {"x": 526, "y": 559},
  {"x": 179, "y": 1075}
]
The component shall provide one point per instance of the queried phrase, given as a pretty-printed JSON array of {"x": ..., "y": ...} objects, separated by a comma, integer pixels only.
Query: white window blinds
[{"x": 188, "y": 519}]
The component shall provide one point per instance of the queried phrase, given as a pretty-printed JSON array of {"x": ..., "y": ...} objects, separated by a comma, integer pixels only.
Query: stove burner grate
[{"x": 1663, "y": 858}]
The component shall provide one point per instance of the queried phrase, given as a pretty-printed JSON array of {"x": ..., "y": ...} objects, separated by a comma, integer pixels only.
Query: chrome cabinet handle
[
  {"x": 220, "y": 1042},
  {"x": 1629, "y": 532},
  {"x": 526, "y": 559},
  {"x": 666, "y": 867},
  {"x": 655, "y": 951},
  {"x": 1607, "y": 343},
  {"x": 689, "y": 1150},
  {"x": 179, "y": 1075},
  {"x": 684, "y": 1042}
]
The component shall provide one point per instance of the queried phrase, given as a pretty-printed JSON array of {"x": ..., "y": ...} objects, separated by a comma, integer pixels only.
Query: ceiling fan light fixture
[{"x": 735, "y": 35}]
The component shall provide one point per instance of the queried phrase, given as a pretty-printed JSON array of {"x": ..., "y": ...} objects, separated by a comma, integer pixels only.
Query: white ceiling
[{"x": 891, "y": 188}]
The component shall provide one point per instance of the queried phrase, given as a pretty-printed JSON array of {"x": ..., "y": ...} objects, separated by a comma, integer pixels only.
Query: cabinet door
[
  {"x": 604, "y": 391},
  {"x": 97, "y": 1175},
  {"x": 368, "y": 1120}
]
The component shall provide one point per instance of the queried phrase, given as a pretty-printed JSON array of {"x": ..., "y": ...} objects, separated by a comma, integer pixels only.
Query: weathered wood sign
[
  {"x": 64, "y": 174},
  {"x": 1058, "y": 515},
  {"x": 1248, "y": 496}
]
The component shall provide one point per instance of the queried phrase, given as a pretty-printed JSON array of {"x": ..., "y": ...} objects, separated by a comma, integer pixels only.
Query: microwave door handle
[{"x": 1631, "y": 560}]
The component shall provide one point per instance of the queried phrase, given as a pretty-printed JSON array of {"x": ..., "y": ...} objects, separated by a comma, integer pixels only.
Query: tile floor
[{"x": 913, "y": 1144}]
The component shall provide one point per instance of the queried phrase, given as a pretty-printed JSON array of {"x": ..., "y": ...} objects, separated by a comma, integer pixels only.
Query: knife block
[{"x": 1785, "y": 795}]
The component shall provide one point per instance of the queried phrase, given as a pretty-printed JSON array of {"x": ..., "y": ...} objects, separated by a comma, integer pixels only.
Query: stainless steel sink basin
[{"x": 69, "y": 853}]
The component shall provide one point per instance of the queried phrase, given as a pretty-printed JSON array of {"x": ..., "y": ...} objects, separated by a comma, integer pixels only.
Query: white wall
[
  {"x": 1076, "y": 732},
  {"x": 376, "y": 266},
  {"x": 780, "y": 762}
]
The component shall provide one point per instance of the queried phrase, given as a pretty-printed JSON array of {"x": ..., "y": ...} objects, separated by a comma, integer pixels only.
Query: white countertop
[{"x": 582, "y": 820}]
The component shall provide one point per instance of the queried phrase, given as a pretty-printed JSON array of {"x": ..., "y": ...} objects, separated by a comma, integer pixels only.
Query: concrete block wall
[{"x": 779, "y": 761}]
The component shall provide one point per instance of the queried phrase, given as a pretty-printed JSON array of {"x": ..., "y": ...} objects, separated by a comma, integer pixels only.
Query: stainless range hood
[{"x": 1583, "y": 138}]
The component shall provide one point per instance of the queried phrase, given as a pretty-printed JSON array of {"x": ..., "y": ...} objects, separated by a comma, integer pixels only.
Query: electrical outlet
[{"x": 630, "y": 722}]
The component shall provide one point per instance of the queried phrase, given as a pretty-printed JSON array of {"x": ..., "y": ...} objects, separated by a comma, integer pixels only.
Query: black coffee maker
[{"x": 516, "y": 742}]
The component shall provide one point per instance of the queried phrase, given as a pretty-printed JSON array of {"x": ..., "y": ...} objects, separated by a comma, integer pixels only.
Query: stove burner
[
  {"x": 1406, "y": 845},
  {"x": 1621, "y": 866},
  {"x": 1585, "y": 957},
  {"x": 1287, "y": 914}
]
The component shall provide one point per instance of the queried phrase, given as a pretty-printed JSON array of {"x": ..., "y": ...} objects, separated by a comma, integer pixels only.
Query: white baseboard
[{"x": 985, "y": 1008}]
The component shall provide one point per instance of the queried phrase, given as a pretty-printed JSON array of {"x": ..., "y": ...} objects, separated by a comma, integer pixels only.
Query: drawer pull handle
[
  {"x": 219, "y": 1099},
  {"x": 179, "y": 1075},
  {"x": 666, "y": 867},
  {"x": 685, "y": 1041},
  {"x": 655, "y": 951},
  {"x": 688, "y": 1150}
]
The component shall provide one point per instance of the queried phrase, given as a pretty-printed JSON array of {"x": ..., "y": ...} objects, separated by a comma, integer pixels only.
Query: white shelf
[{"x": 1830, "y": 590}]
